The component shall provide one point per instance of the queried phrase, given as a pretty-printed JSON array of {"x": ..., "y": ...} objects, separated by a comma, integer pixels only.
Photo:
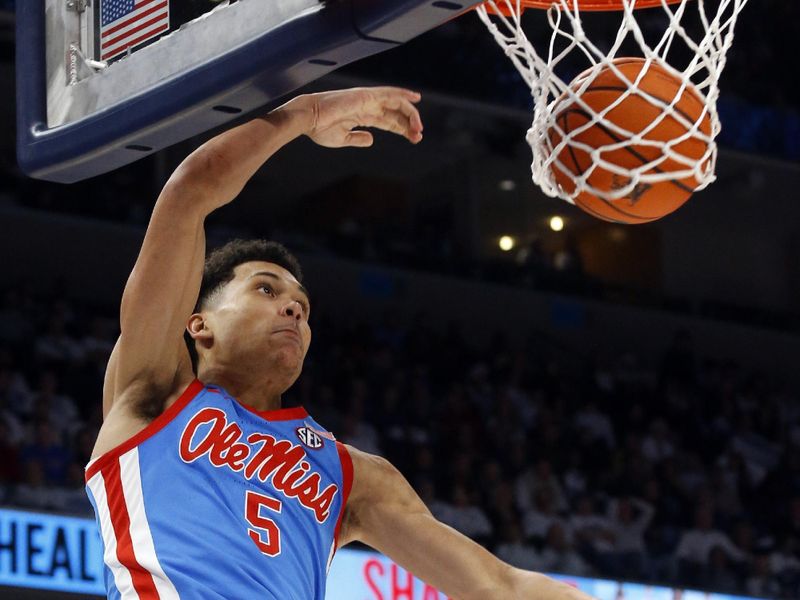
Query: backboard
[{"x": 102, "y": 83}]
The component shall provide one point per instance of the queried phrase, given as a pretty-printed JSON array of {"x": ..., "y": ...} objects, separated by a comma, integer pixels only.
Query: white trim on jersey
[
  {"x": 122, "y": 577},
  {"x": 141, "y": 537},
  {"x": 330, "y": 557}
]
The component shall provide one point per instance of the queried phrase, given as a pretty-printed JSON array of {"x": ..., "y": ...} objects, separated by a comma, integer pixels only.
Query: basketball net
[{"x": 706, "y": 52}]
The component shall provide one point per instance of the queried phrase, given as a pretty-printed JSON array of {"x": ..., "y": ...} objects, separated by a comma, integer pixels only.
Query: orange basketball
[{"x": 647, "y": 201}]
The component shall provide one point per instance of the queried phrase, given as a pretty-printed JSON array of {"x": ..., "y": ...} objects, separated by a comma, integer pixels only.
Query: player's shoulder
[
  {"x": 373, "y": 475},
  {"x": 363, "y": 459}
]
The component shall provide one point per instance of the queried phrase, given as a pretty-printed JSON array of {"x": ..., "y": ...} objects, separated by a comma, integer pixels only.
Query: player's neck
[{"x": 257, "y": 393}]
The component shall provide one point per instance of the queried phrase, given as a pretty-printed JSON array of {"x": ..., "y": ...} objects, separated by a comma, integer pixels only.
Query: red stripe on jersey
[
  {"x": 279, "y": 414},
  {"x": 120, "y": 520},
  {"x": 153, "y": 428},
  {"x": 347, "y": 484}
]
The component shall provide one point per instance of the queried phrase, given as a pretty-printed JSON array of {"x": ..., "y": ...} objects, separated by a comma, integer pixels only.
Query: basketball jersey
[{"x": 214, "y": 500}]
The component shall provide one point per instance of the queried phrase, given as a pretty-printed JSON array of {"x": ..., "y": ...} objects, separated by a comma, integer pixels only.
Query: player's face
[{"x": 260, "y": 320}]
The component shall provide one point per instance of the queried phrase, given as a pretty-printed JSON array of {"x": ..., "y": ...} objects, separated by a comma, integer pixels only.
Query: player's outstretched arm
[
  {"x": 384, "y": 512},
  {"x": 150, "y": 357}
]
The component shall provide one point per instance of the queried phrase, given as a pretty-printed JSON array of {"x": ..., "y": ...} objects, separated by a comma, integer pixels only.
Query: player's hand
[{"x": 335, "y": 116}]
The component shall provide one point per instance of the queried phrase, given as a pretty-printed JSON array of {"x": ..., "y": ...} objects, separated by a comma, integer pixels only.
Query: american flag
[{"x": 128, "y": 23}]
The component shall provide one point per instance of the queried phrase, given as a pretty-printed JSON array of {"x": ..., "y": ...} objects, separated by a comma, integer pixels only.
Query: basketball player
[{"x": 203, "y": 486}]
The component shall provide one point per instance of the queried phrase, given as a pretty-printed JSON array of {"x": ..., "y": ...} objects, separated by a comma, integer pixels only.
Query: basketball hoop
[
  {"x": 702, "y": 33},
  {"x": 585, "y": 5}
]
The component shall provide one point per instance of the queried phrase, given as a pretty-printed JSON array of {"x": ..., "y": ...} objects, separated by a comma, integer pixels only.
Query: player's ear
[{"x": 197, "y": 328}]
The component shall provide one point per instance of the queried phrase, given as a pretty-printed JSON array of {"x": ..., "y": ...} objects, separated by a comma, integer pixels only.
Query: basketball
[{"x": 639, "y": 116}]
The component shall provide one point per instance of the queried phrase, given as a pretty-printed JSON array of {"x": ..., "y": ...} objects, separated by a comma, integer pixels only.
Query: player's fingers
[
  {"x": 410, "y": 111},
  {"x": 396, "y": 122},
  {"x": 407, "y": 108},
  {"x": 388, "y": 93},
  {"x": 359, "y": 139}
]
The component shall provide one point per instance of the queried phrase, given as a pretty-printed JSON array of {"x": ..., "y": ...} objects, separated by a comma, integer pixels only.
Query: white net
[{"x": 580, "y": 141}]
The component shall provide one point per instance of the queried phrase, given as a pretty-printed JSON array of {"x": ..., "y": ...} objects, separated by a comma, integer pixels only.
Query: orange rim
[{"x": 587, "y": 5}]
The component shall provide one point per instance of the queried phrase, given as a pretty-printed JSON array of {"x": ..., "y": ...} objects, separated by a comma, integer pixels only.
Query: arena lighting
[
  {"x": 617, "y": 234},
  {"x": 556, "y": 223},
  {"x": 506, "y": 243},
  {"x": 507, "y": 185}
]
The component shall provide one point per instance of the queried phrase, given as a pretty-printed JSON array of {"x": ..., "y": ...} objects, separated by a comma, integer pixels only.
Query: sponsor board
[{"x": 61, "y": 553}]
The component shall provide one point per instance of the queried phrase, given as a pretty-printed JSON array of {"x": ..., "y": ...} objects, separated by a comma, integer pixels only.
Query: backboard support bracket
[{"x": 78, "y": 6}]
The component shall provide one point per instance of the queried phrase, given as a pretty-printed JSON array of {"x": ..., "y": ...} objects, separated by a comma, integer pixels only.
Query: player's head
[{"x": 251, "y": 316}]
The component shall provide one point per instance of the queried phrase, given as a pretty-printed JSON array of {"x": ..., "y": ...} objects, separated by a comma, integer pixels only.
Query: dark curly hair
[{"x": 220, "y": 265}]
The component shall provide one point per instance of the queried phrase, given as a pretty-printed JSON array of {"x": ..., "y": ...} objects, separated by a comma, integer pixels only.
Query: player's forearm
[
  {"x": 527, "y": 585},
  {"x": 215, "y": 173}
]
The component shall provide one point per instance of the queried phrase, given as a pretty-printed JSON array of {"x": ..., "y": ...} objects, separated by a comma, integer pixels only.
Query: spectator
[
  {"x": 34, "y": 491},
  {"x": 50, "y": 456},
  {"x": 658, "y": 446},
  {"x": 595, "y": 425},
  {"x": 558, "y": 555},
  {"x": 696, "y": 544},
  {"x": 536, "y": 478},
  {"x": 762, "y": 582},
  {"x": 784, "y": 561},
  {"x": 48, "y": 404},
  {"x": 12, "y": 425},
  {"x": 513, "y": 549},
  {"x": 630, "y": 517},
  {"x": 462, "y": 514},
  {"x": 56, "y": 346},
  {"x": 538, "y": 520},
  {"x": 590, "y": 530},
  {"x": 719, "y": 575},
  {"x": 502, "y": 509},
  {"x": 575, "y": 480},
  {"x": 15, "y": 395}
]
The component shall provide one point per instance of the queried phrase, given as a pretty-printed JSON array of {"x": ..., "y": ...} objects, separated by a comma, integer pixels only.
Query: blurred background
[{"x": 578, "y": 396}]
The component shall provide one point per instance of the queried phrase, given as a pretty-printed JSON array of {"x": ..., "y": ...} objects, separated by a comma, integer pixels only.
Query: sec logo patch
[{"x": 309, "y": 438}]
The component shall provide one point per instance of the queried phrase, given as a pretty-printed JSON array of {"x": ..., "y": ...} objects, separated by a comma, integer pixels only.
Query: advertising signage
[
  {"x": 65, "y": 554},
  {"x": 371, "y": 576},
  {"x": 51, "y": 552}
]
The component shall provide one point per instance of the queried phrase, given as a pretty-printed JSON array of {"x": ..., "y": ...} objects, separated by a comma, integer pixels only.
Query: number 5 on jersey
[{"x": 265, "y": 532}]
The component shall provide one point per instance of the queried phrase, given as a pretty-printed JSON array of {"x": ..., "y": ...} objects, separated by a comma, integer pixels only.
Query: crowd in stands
[{"x": 679, "y": 470}]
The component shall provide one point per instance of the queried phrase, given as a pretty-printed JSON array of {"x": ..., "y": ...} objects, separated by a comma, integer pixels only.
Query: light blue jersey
[{"x": 214, "y": 500}]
